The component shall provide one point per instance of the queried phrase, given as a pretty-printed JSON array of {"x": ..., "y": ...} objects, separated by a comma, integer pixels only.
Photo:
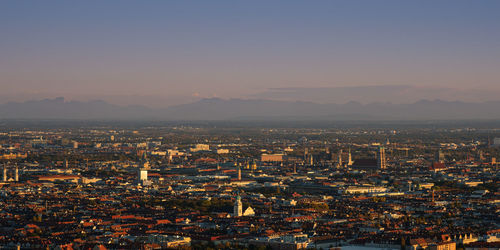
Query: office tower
[
  {"x": 4, "y": 173},
  {"x": 381, "y": 158}
]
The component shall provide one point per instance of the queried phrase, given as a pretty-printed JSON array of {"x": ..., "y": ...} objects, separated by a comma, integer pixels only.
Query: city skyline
[{"x": 250, "y": 125}]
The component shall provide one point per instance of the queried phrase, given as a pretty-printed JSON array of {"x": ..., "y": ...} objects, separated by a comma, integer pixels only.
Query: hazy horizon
[{"x": 160, "y": 54}]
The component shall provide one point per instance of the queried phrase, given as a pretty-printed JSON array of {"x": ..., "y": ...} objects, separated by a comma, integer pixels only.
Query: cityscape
[
  {"x": 250, "y": 125},
  {"x": 221, "y": 187}
]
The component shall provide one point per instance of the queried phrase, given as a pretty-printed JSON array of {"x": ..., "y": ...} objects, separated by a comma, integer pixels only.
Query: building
[
  {"x": 249, "y": 212},
  {"x": 282, "y": 242},
  {"x": 496, "y": 141},
  {"x": 339, "y": 158},
  {"x": 239, "y": 173},
  {"x": 238, "y": 207},
  {"x": 443, "y": 246},
  {"x": 365, "y": 190},
  {"x": 200, "y": 147},
  {"x": 142, "y": 175},
  {"x": 439, "y": 156},
  {"x": 349, "y": 159},
  {"x": 271, "y": 157},
  {"x": 16, "y": 174},
  {"x": 222, "y": 151},
  {"x": 366, "y": 164}
]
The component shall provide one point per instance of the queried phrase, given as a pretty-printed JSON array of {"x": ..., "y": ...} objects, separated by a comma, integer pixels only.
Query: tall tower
[
  {"x": 16, "y": 174},
  {"x": 238, "y": 207},
  {"x": 439, "y": 156},
  {"x": 4, "y": 173},
  {"x": 349, "y": 160},
  {"x": 239, "y": 173},
  {"x": 339, "y": 158},
  {"x": 381, "y": 158},
  {"x": 306, "y": 152}
]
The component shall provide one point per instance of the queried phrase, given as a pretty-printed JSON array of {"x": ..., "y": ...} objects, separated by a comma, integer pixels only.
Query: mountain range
[{"x": 251, "y": 109}]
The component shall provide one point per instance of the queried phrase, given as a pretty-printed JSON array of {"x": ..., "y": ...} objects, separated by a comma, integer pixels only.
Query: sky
[{"x": 161, "y": 53}]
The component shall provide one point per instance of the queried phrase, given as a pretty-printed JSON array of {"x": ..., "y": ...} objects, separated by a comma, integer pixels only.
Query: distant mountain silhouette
[
  {"x": 239, "y": 109},
  {"x": 376, "y": 93},
  {"x": 58, "y": 108},
  {"x": 220, "y": 109}
]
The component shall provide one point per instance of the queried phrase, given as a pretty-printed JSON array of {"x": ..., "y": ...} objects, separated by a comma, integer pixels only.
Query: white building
[
  {"x": 249, "y": 212},
  {"x": 365, "y": 189},
  {"x": 143, "y": 175}
]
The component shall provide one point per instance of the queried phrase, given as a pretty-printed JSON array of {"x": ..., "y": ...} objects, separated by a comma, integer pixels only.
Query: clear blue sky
[{"x": 178, "y": 50}]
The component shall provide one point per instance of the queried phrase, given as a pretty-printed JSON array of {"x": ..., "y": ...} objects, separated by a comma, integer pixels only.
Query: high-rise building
[
  {"x": 4, "y": 173},
  {"x": 381, "y": 161},
  {"x": 238, "y": 207}
]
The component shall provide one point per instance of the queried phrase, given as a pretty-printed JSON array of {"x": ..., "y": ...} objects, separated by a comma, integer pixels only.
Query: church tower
[
  {"x": 16, "y": 174},
  {"x": 239, "y": 173},
  {"x": 4, "y": 173},
  {"x": 349, "y": 159},
  {"x": 339, "y": 159},
  {"x": 381, "y": 163},
  {"x": 238, "y": 207}
]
